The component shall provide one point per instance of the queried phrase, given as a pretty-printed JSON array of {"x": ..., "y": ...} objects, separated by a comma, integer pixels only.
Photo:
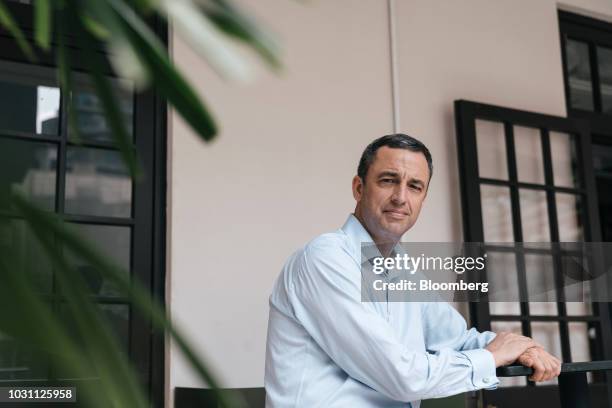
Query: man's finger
[
  {"x": 539, "y": 370},
  {"x": 549, "y": 369}
]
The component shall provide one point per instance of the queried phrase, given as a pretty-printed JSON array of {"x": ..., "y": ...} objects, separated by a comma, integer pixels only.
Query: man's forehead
[{"x": 399, "y": 160}]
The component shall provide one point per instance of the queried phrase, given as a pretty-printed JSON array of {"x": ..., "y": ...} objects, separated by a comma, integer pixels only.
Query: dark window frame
[
  {"x": 147, "y": 347},
  {"x": 593, "y": 32},
  {"x": 466, "y": 114}
]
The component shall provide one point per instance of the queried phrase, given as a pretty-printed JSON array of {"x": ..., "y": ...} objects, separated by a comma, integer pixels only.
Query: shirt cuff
[{"x": 483, "y": 368}]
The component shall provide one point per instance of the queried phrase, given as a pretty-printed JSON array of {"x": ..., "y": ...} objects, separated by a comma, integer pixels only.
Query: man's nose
[{"x": 399, "y": 195}]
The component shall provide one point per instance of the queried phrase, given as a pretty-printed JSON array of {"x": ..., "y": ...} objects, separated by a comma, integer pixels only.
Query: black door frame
[
  {"x": 147, "y": 347},
  {"x": 466, "y": 113}
]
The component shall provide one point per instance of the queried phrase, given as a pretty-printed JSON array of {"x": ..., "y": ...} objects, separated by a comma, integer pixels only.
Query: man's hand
[
  {"x": 545, "y": 366},
  {"x": 507, "y": 347}
]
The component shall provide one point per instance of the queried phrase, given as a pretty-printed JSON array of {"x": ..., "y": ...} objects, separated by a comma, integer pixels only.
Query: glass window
[
  {"x": 501, "y": 267},
  {"x": 569, "y": 210},
  {"x": 491, "y": 144},
  {"x": 496, "y": 214},
  {"x": 604, "y": 59},
  {"x": 113, "y": 242},
  {"x": 528, "y": 148},
  {"x": 534, "y": 215},
  {"x": 579, "y": 75},
  {"x": 564, "y": 159},
  {"x": 29, "y": 108},
  {"x": 18, "y": 362},
  {"x": 29, "y": 168},
  {"x": 97, "y": 183},
  {"x": 90, "y": 118}
]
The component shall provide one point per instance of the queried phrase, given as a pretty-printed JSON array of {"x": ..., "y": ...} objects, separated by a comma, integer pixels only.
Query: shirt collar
[{"x": 358, "y": 236}]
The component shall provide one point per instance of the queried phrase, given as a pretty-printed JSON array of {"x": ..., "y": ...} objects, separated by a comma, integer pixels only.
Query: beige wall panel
[
  {"x": 499, "y": 52},
  {"x": 278, "y": 175}
]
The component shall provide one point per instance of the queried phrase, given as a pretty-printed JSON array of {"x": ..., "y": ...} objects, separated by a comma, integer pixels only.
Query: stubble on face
[{"x": 390, "y": 200}]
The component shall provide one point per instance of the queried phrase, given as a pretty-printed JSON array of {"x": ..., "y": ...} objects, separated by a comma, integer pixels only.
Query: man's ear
[{"x": 357, "y": 188}]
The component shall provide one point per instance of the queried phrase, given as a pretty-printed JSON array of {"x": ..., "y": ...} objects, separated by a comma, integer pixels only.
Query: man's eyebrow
[{"x": 388, "y": 173}]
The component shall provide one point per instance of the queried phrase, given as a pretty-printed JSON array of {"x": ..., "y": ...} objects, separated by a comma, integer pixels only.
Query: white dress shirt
[{"x": 327, "y": 348}]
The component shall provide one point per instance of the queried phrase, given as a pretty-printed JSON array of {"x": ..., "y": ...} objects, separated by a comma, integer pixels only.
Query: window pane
[
  {"x": 501, "y": 275},
  {"x": 30, "y": 168},
  {"x": 579, "y": 341},
  {"x": 90, "y": 118},
  {"x": 117, "y": 317},
  {"x": 528, "y": 148},
  {"x": 491, "y": 144},
  {"x": 496, "y": 214},
  {"x": 514, "y": 327},
  {"x": 579, "y": 308},
  {"x": 97, "y": 183},
  {"x": 540, "y": 284},
  {"x": 534, "y": 215},
  {"x": 29, "y": 256},
  {"x": 114, "y": 243},
  {"x": 19, "y": 362},
  {"x": 565, "y": 162},
  {"x": 602, "y": 160},
  {"x": 602, "y": 164},
  {"x": 505, "y": 308},
  {"x": 543, "y": 308},
  {"x": 29, "y": 107},
  {"x": 604, "y": 57},
  {"x": 579, "y": 75},
  {"x": 568, "y": 215}
]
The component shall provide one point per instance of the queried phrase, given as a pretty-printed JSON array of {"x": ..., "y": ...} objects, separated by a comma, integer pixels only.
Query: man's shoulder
[
  {"x": 327, "y": 245},
  {"x": 330, "y": 240},
  {"x": 327, "y": 256}
]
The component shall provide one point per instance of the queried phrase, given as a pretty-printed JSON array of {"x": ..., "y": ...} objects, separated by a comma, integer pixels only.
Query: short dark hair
[{"x": 395, "y": 141}]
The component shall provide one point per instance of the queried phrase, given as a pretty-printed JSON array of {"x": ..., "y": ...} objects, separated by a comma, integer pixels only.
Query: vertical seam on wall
[
  {"x": 395, "y": 102},
  {"x": 168, "y": 342}
]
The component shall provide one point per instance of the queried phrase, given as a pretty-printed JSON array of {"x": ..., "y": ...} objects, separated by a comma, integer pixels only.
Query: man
[{"x": 327, "y": 348}]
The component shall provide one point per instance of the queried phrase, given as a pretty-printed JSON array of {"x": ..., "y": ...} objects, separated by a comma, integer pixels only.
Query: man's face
[{"x": 389, "y": 202}]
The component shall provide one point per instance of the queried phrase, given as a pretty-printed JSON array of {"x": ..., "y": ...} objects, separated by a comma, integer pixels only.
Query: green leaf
[
  {"x": 114, "y": 117},
  {"x": 168, "y": 81},
  {"x": 6, "y": 19},
  {"x": 140, "y": 298},
  {"x": 96, "y": 28},
  {"x": 114, "y": 374},
  {"x": 207, "y": 40},
  {"x": 65, "y": 80},
  {"x": 122, "y": 56},
  {"x": 110, "y": 105},
  {"x": 35, "y": 326},
  {"x": 42, "y": 23},
  {"x": 234, "y": 23}
]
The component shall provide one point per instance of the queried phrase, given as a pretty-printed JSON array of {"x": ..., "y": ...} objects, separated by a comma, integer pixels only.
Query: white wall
[{"x": 279, "y": 174}]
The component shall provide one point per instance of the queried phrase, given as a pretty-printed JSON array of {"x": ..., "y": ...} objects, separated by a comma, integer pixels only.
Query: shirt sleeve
[
  {"x": 326, "y": 300},
  {"x": 454, "y": 334}
]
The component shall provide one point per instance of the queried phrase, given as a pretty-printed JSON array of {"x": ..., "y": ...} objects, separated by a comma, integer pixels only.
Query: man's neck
[{"x": 384, "y": 245}]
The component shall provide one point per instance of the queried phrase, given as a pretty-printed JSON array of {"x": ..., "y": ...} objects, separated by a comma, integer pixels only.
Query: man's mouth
[{"x": 396, "y": 213}]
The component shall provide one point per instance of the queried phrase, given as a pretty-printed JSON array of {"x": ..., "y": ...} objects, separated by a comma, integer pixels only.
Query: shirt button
[{"x": 485, "y": 380}]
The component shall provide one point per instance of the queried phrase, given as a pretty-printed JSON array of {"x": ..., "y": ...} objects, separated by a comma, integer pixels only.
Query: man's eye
[
  {"x": 387, "y": 181},
  {"x": 416, "y": 187}
]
